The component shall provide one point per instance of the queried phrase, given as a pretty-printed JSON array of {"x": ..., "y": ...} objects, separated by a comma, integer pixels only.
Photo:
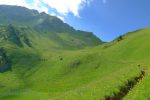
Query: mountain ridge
[{"x": 21, "y": 16}]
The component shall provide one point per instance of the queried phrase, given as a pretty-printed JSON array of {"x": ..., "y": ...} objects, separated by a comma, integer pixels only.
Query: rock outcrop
[{"x": 4, "y": 61}]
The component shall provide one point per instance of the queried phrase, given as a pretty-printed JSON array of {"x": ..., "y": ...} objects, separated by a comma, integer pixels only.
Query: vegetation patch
[
  {"x": 4, "y": 61},
  {"x": 126, "y": 88}
]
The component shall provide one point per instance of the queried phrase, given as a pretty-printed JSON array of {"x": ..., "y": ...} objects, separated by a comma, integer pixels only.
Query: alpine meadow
[{"x": 43, "y": 58}]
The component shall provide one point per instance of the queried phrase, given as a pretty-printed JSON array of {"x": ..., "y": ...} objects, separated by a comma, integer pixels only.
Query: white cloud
[
  {"x": 14, "y": 2},
  {"x": 38, "y": 6},
  {"x": 67, "y": 6},
  {"x": 63, "y": 7},
  {"x": 62, "y": 18}
]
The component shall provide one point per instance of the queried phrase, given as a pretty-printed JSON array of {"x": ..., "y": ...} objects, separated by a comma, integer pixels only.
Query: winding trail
[{"x": 124, "y": 90}]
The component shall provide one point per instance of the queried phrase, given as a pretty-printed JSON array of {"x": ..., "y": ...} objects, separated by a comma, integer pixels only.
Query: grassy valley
[{"x": 61, "y": 63}]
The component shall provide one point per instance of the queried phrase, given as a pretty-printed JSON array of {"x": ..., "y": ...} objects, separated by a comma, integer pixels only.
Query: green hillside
[
  {"x": 30, "y": 22},
  {"x": 40, "y": 63}
]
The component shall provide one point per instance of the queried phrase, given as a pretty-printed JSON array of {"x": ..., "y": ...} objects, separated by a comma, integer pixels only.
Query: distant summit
[{"x": 27, "y": 19}]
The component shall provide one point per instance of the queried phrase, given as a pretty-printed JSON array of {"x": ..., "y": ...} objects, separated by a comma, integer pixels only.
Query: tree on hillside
[{"x": 120, "y": 38}]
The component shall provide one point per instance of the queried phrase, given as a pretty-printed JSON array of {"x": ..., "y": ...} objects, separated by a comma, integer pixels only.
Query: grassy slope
[{"x": 86, "y": 74}]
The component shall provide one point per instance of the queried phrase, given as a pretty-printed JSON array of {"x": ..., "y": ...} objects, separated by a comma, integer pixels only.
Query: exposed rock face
[
  {"x": 4, "y": 61},
  {"x": 13, "y": 35}
]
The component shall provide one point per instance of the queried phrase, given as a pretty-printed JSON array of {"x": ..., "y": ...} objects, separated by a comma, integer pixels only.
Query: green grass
[{"x": 89, "y": 73}]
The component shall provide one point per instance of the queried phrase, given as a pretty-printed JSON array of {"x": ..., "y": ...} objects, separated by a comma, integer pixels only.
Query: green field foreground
[{"x": 90, "y": 73}]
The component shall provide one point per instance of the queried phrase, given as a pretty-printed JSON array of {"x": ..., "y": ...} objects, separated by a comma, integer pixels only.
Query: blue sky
[
  {"x": 113, "y": 18},
  {"x": 107, "y": 19}
]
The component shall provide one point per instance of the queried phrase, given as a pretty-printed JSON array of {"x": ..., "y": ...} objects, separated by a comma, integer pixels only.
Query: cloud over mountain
[{"x": 62, "y": 7}]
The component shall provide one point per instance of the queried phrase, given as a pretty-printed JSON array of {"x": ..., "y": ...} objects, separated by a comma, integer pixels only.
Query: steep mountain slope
[
  {"x": 22, "y": 36},
  {"x": 43, "y": 23},
  {"x": 85, "y": 74}
]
